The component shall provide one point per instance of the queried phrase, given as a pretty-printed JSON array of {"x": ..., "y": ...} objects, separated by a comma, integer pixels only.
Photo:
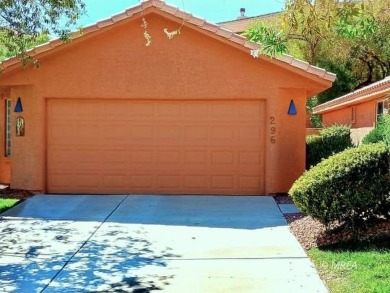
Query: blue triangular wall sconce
[
  {"x": 292, "y": 110},
  {"x": 18, "y": 106}
]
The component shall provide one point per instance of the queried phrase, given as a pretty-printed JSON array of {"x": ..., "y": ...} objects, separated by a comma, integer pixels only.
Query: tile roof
[
  {"x": 358, "y": 96},
  {"x": 160, "y": 5}
]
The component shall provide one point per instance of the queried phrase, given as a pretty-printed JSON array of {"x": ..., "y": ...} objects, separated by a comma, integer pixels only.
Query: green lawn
[
  {"x": 363, "y": 267},
  {"x": 6, "y": 203}
]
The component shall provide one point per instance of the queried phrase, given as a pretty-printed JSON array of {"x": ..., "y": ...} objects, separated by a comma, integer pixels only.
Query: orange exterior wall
[{"x": 115, "y": 64}]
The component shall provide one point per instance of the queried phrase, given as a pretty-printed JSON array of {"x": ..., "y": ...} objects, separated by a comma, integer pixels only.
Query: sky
[{"x": 211, "y": 10}]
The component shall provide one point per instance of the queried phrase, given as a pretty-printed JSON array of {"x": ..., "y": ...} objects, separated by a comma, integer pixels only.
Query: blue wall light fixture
[
  {"x": 292, "y": 110},
  {"x": 18, "y": 106}
]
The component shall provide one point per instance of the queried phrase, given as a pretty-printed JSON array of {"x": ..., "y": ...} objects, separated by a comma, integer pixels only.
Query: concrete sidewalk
[{"x": 120, "y": 243}]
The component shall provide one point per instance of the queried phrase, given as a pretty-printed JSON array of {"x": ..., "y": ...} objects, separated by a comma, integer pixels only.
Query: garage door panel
[
  {"x": 120, "y": 158},
  {"x": 115, "y": 181},
  {"x": 196, "y": 182},
  {"x": 90, "y": 180},
  {"x": 250, "y": 182},
  {"x": 223, "y": 112},
  {"x": 223, "y": 134},
  {"x": 254, "y": 112},
  {"x": 62, "y": 157},
  {"x": 222, "y": 182},
  {"x": 60, "y": 181},
  {"x": 196, "y": 111},
  {"x": 222, "y": 158},
  {"x": 62, "y": 108},
  {"x": 141, "y": 181},
  {"x": 173, "y": 147},
  {"x": 168, "y": 181},
  {"x": 67, "y": 131},
  {"x": 169, "y": 157},
  {"x": 87, "y": 133},
  {"x": 171, "y": 109},
  {"x": 110, "y": 132},
  {"x": 173, "y": 133},
  {"x": 144, "y": 109},
  {"x": 196, "y": 158},
  {"x": 250, "y": 158},
  {"x": 250, "y": 134},
  {"x": 142, "y": 157},
  {"x": 196, "y": 133},
  {"x": 141, "y": 133}
]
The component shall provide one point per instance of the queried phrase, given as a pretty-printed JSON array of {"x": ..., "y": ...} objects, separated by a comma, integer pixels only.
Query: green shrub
[
  {"x": 386, "y": 130},
  {"x": 314, "y": 150},
  {"x": 352, "y": 187},
  {"x": 380, "y": 133},
  {"x": 332, "y": 140},
  {"x": 373, "y": 136}
]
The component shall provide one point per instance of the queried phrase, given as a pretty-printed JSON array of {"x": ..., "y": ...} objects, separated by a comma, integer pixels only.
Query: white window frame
[
  {"x": 385, "y": 109},
  {"x": 8, "y": 127}
]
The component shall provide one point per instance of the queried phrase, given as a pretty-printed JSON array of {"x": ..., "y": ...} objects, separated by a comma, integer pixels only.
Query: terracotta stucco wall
[
  {"x": 285, "y": 161},
  {"x": 116, "y": 65},
  {"x": 365, "y": 115}
]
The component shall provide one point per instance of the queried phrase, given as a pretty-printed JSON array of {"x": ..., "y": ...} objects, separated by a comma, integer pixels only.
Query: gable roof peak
[{"x": 201, "y": 24}]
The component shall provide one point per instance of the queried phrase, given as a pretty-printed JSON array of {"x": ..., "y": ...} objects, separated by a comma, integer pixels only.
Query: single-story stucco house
[
  {"x": 360, "y": 109},
  {"x": 156, "y": 101}
]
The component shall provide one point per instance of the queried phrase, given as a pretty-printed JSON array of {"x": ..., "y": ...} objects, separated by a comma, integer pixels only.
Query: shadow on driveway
[{"x": 119, "y": 243}]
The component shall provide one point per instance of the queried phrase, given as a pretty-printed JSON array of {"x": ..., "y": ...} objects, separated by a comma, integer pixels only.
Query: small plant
[
  {"x": 351, "y": 187},
  {"x": 331, "y": 140},
  {"x": 6, "y": 203}
]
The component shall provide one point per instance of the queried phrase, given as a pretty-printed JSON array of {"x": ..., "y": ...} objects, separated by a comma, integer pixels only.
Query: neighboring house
[
  {"x": 192, "y": 113},
  {"x": 360, "y": 109},
  {"x": 241, "y": 24}
]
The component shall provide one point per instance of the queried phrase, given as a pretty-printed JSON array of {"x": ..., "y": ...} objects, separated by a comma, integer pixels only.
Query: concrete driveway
[{"x": 135, "y": 243}]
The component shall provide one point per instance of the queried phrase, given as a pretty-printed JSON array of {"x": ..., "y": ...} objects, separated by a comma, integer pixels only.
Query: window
[
  {"x": 382, "y": 108},
  {"x": 353, "y": 114},
  {"x": 8, "y": 128}
]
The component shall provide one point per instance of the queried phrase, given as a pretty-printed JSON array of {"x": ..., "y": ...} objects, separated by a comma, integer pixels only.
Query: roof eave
[
  {"x": 368, "y": 93},
  {"x": 355, "y": 101}
]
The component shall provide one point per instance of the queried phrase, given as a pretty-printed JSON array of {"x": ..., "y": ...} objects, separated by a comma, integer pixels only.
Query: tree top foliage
[
  {"x": 25, "y": 23},
  {"x": 348, "y": 37}
]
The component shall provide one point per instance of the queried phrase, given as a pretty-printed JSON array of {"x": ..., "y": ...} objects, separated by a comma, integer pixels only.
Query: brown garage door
[{"x": 155, "y": 147}]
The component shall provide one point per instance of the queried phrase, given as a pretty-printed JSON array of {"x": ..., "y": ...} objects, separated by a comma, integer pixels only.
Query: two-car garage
[{"x": 155, "y": 146}]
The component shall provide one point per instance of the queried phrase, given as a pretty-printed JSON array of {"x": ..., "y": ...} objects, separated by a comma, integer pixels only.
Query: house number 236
[{"x": 272, "y": 123}]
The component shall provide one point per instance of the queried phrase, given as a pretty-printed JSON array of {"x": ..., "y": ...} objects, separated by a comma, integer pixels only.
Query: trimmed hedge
[
  {"x": 331, "y": 140},
  {"x": 352, "y": 187}
]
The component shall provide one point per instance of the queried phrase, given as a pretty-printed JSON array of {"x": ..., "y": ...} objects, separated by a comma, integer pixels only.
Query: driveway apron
[{"x": 151, "y": 243}]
